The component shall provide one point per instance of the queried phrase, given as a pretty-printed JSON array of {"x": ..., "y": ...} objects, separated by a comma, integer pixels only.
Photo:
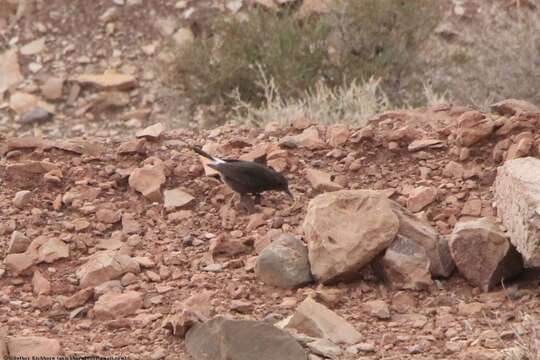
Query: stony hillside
[
  {"x": 119, "y": 246},
  {"x": 414, "y": 237}
]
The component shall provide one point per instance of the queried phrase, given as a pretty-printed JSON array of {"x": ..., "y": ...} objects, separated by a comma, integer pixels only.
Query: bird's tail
[{"x": 203, "y": 153}]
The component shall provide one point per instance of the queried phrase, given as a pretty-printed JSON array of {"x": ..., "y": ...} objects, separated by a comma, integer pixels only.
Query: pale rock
[
  {"x": 3, "y": 343},
  {"x": 472, "y": 207},
  {"x": 222, "y": 339},
  {"x": 309, "y": 138},
  {"x": 34, "y": 47},
  {"x": 108, "y": 216},
  {"x": 470, "y": 309},
  {"x": 378, "y": 309},
  {"x": 337, "y": 134},
  {"x": 107, "y": 81},
  {"x": 176, "y": 198},
  {"x": 114, "y": 306},
  {"x": 45, "y": 249},
  {"x": 511, "y": 107},
  {"x": 78, "y": 299},
  {"x": 517, "y": 197},
  {"x": 421, "y": 197},
  {"x": 19, "y": 263},
  {"x": 321, "y": 181},
  {"x": 104, "y": 266},
  {"x": 421, "y": 144},
  {"x": 521, "y": 148},
  {"x": 33, "y": 347},
  {"x": 481, "y": 353},
  {"x": 53, "y": 88},
  {"x": 10, "y": 72},
  {"x": 180, "y": 322},
  {"x": 483, "y": 254},
  {"x": 135, "y": 146},
  {"x": 21, "y": 102},
  {"x": 473, "y": 127},
  {"x": 453, "y": 170},
  {"x": 22, "y": 198},
  {"x": 316, "y": 320},
  {"x": 404, "y": 265},
  {"x": 183, "y": 36},
  {"x": 347, "y": 229},
  {"x": 18, "y": 243},
  {"x": 151, "y": 132},
  {"x": 403, "y": 302},
  {"x": 325, "y": 348},
  {"x": 148, "y": 181},
  {"x": 284, "y": 263},
  {"x": 40, "y": 284}
]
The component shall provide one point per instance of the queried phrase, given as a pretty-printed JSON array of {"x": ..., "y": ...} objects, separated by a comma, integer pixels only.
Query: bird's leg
[
  {"x": 247, "y": 203},
  {"x": 258, "y": 199}
]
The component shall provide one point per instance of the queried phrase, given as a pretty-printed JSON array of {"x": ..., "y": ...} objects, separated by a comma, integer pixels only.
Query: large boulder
[
  {"x": 347, "y": 229},
  {"x": 284, "y": 263},
  {"x": 517, "y": 194},
  {"x": 224, "y": 339},
  {"x": 427, "y": 237},
  {"x": 483, "y": 254}
]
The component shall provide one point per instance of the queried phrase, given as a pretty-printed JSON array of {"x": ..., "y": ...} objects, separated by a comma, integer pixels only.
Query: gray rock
[
  {"x": 227, "y": 339},
  {"x": 517, "y": 194},
  {"x": 427, "y": 237},
  {"x": 18, "y": 243},
  {"x": 404, "y": 265},
  {"x": 284, "y": 263},
  {"x": 36, "y": 115}
]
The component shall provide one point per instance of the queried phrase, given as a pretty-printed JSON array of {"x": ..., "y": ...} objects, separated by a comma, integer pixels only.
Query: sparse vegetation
[
  {"x": 354, "y": 103},
  {"x": 291, "y": 52},
  {"x": 354, "y": 42}
]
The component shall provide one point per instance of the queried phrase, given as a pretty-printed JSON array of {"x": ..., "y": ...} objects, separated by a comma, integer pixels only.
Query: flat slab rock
[
  {"x": 227, "y": 339},
  {"x": 517, "y": 194}
]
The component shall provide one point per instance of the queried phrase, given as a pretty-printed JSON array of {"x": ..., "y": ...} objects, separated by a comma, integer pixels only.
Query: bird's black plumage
[{"x": 247, "y": 177}]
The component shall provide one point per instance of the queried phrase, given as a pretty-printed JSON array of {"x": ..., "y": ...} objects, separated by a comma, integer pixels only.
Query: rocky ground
[
  {"x": 68, "y": 200},
  {"x": 115, "y": 239}
]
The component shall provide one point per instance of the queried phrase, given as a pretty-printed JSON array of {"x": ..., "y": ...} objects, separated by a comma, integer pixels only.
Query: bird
[{"x": 247, "y": 177}]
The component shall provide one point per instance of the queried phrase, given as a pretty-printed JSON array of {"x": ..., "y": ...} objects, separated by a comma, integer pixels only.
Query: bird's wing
[{"x": 245, "y": 172}]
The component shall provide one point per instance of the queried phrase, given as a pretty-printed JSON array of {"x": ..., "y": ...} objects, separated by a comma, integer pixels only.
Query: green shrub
[
  {"x": 367, "y": 39},
  {"x": 291, "y": 52}
]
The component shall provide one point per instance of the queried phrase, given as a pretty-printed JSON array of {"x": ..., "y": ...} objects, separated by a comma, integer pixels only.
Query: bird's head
[{"x": 283, "y": 185}]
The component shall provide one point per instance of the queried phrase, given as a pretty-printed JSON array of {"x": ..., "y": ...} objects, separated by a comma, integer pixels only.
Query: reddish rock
[
  {"x": 40, "y": 284},
  {"x": 148, "y": 181},
  {"x": 113, "y": 306},
  {"x": 33, "y": 347},
  {"x": 321, "y": 181},
  {"x": 483, "y": 254},
  {"x": 79, "y": 298},
  {"x": 337, "y": 134},
  {"x": 473, "y": 127},
  {"x": 345, "y": 230},
  {"x": 421, "y": 197}
]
